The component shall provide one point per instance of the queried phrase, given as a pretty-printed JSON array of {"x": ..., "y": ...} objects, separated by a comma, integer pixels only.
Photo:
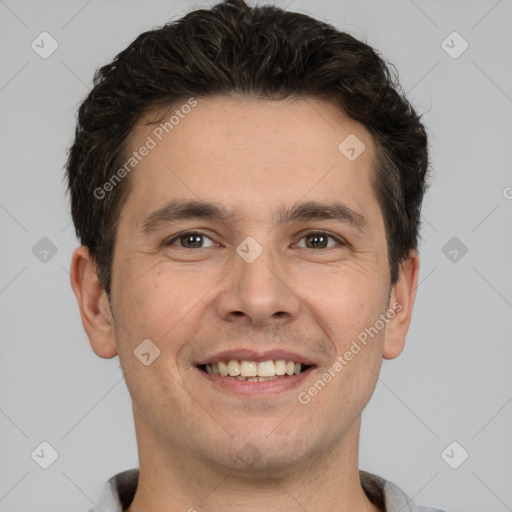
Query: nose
[{"x": 258, "y": 293}]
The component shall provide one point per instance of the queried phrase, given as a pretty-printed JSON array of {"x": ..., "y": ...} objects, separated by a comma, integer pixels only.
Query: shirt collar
[{"x": 119, "y": 492}]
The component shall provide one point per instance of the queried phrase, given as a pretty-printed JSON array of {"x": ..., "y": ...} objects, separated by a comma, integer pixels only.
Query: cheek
[
  {"x": 345, "y": 302},
  {"x": 162, "y": 304},
  {"x": 157, "y": 305}
]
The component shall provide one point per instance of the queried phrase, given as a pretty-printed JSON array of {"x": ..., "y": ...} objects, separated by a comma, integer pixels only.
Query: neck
[{"x": 170, "y": 480}]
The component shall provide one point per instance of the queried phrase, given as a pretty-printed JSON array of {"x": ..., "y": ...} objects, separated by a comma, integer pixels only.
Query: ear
[
  {"x": 93, "y": 304},
  {"x": 401, "y": 302}
]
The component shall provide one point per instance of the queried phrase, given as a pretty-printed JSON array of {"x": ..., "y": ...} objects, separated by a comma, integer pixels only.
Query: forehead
[
  {"x": 238, "y": 122},
  {"x": 250, "y": 153}
]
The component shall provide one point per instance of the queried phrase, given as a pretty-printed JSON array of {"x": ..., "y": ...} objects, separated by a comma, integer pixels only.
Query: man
[{"x": 246, "y": 184}]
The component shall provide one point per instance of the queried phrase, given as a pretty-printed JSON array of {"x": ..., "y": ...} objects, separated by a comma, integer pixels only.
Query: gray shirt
[{"x": 119, "y": 492}]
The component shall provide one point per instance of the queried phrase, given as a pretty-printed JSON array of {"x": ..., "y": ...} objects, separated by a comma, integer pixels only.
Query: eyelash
[{"x": 171, "y": 241}]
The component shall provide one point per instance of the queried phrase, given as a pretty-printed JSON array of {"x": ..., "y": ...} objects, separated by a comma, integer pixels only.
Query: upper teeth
[{"x": 234, "y": 368}]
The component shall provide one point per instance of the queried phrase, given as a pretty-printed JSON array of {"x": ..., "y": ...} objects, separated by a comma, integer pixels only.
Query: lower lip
[{"x": 256, "y": 389}]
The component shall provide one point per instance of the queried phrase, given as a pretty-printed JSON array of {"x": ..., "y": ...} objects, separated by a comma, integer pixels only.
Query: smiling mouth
[{"x": 252, "y": 371}]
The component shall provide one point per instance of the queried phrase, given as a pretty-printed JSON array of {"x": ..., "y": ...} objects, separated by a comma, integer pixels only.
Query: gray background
[{"x": 453, "y": 381}]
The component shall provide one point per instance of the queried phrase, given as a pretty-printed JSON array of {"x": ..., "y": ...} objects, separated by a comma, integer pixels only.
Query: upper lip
[{"x": 244, "y": 354}]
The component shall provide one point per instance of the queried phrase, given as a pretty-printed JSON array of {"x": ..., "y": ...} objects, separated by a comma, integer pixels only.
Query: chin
[{"x": 258, "y": 456}]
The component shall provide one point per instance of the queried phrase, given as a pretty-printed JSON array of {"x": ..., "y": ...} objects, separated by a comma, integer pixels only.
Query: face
[{"x": 247, "y": 235}]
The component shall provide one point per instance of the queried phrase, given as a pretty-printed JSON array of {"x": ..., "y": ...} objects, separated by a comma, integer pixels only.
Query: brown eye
[
  {"x": 319, "y": 240},
  {"x": 191, "y": 240}
]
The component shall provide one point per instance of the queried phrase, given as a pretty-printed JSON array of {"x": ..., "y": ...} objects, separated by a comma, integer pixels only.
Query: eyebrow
[{"x": 177, "y": 210}]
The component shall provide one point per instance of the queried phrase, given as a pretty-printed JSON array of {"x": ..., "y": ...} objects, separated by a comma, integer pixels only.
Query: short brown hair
[{"x": 263, "y": 52}]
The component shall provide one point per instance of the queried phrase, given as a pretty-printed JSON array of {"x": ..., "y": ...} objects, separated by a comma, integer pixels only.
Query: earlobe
[
  {"x": 93, "y": 303},
  {"x": 400, "y": 306}
]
